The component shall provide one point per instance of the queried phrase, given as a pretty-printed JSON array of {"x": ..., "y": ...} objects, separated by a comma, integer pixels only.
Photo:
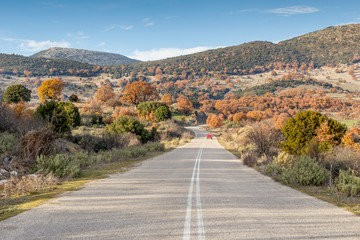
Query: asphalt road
[{"x": 198, "y": 191}]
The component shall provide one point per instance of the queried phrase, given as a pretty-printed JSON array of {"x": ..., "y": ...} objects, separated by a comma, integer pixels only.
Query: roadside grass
[{"x": 325, "y": 193}]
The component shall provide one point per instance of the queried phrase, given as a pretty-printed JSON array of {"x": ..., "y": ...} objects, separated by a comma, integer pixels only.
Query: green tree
[
  {"x": 302, "y": 129},
  {"x": 162, "y": 113},
  {"x": 16, "y": 93},
  {"x": 72, "y": 112},
  {"x": 145, "y": 108},
  {"x": 126, "y": 124},
  {"x": 60, "y": 115}
]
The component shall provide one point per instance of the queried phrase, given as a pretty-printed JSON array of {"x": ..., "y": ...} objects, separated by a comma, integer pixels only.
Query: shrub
[
  {"x": 307, "y": 171},
  {"x": 249, "y": 158},
  {"x": 20, "y": 125},
  {"x": 72, "y": 112},
  {"x": 35, "y": 143},
  {"x": 145, "y": 108},
  {"x": 284, "y": 159},
  {"x": 7, "y": 142},
  {"x": 301, "y": 130},
  {"x": 60, "y": 115},
  {"x": 349, "y": 183},
  {"x": 162, "y": 113},
  {"x": 63, "y": 165},
  {"x": 73, "y": 98},
  {"x": 265, "y": 137},
  {"x": 126, "y": 124},
  {"x": 16, "y": 93}
]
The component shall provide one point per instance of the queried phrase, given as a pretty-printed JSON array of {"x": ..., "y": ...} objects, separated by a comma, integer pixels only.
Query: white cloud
[
  {"x": 123, "y": 27},
  {"x": 101, "y": 44},
  {"x": 288, "y": 11},
  {"x": 35, "y": 46},
  {"x": 162, "y": 53},
  {"x": 148, "y": 22}
]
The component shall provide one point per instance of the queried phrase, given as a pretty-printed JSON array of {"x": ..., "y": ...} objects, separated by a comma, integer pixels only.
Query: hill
[
  {"x": 85, "y": 56},
  {"x": 13, "y": 64},
  {"x": 332, "y": 45}
]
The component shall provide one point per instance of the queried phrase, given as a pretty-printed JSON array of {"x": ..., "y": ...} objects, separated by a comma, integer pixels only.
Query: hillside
[
  {"x": 332, "y": 45},
  {"x": 85, "y": 56},
  {"x": 26, "y": 66}
]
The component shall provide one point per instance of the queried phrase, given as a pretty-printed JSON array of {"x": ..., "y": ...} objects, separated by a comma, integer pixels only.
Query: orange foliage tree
[
  {"x": 92, "y": 107},
  {"x": 138, "y": 92},
  {"x": 167, "y": 99},
  {"x": 352, "y": 139},
  {"x": 104, "y": 94},
  {"x": 214, "y": 121},
  {"x": 50, "y": 89},
  {"x": 184, "y": 105}
]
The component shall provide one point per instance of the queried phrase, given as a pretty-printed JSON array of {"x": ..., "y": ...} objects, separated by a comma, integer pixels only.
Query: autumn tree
[
  {"x": 16, "y": 93},
  {"x": 104, "y": 94},
  {"x": 50, "y": 89},
  {"x": 138, "y": 92},
  {"x": 214, "y": 121},
  {"x": 184, "y": 105},
  {"x": 167, "y": 99}
]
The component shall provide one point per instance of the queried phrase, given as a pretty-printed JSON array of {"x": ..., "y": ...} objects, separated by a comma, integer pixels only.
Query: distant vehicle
[{"x": 209, "y": 136}]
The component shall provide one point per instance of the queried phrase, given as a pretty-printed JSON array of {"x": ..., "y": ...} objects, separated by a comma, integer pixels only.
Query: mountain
[
  {"x": 13, "y": 64},
  {"x": 332, "y": 45},
  {"x": 85, "y": 56}
]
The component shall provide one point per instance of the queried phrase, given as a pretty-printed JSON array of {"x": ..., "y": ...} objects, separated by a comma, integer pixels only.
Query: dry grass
[{"x": 18, "y": 186}]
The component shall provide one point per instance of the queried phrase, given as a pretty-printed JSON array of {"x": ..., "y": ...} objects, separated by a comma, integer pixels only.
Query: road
[{"x": 198, "y": 191}]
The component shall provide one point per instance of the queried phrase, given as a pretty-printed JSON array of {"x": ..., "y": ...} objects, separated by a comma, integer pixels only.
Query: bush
[
  {"x": 304, "y": 170},
  {"x": 264, "y": 137},
  {"x": 60, "y": 115},
  {"x": 72, "y": 113},
  {"x": 63, "y": 165},
  {"x": 301, "y": 130},
  {"x": 249, "y": 158},
  {"x": 126, "y": 124},
  {"x": 307, "y": 171},
  {"x": 16, "y": 93},
  {"x": 19, "y": 125},
  {"x": 7, "y": 142},
  {"x": 73, "y": 98},
  {"x": 34, "y": 144},
  {"x": 145, "y": 108},
  {"x": 162, "y": 113},
  {"x": 349, "y": 183}
]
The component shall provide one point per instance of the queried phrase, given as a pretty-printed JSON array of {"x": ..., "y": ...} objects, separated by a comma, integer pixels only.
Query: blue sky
[{"x": 155, "y": 29}]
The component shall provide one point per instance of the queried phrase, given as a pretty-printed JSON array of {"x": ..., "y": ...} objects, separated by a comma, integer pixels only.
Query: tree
[
  {"x": 162, "y": 113},
  {"x": 126, "y": 124},
  {"x": 184, "y": 105},
  {"x": 147, "y": 109},
  {"x": 50, "y": 89},
  {"x": 167, "y": 99},
  {"x": 301, "y": 130},
  {"x": 214, "y": 121},
  {"x": 73, "y": 98},
  {"x": 137, "y": 92},
  {"x": 72, "y": 113},
  {"x": 55, "y": 115},
  {"x": 104, "y": 94},
  {"x": 16, "y": 93}
]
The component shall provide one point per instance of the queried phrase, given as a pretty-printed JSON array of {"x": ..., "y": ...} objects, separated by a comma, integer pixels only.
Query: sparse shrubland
[{"x": 322, "y": 160}]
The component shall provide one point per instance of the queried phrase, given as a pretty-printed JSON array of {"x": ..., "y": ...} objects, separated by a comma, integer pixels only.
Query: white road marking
[{"x": 187, "y": 224}]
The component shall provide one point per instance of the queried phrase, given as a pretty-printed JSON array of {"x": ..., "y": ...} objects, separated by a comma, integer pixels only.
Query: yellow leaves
[
  {"x": 214, "y": 121},
  {"x": 50, "y": 89}
]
